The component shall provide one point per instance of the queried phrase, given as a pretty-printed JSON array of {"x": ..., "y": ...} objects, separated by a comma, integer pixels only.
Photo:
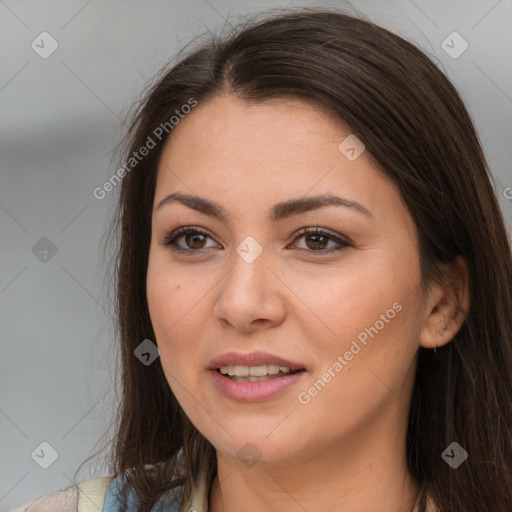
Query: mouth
[
  {"x": 241, "y": 387},
  {"x": 254, "y": 376},
  {"x": 253, "y": 366},
  {"x": 242, "y": 373}
]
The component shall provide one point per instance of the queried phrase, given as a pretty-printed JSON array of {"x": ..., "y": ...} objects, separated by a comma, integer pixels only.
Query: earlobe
[{"x": 447, "y": 306}]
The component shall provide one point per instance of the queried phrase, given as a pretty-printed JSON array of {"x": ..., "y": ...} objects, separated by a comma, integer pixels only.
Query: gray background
[{"x": 60, "y": 119}]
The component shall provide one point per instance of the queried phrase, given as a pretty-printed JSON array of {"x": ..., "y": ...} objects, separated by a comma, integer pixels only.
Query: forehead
[
  {"x": 282, "y": 129},
  {"x": 266, "y": 152}
]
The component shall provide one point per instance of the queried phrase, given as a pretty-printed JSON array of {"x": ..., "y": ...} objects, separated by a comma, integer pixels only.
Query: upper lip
[{"x": 251, "y": 359}]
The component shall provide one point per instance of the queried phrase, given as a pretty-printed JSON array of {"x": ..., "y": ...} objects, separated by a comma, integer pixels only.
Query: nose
[{"x": 251, "y": 296}]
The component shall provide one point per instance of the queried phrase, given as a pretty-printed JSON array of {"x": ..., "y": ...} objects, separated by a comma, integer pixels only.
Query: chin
[{"x": 258, "y": 447}]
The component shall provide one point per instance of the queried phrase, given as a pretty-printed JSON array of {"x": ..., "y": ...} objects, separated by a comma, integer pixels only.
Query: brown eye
[
  {"x": 190, "y": 239},
  {"x": 194, "y": 240},
  {"x": 187, "y": 239},
  {"x": 317, "y": 241}
]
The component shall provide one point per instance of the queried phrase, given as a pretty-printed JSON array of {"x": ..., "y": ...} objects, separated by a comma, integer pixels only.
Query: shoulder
[
  {"x": 87, "y": 496},
  {"x": 97, "y": 495},
  {"x": 121, "y": 497}
]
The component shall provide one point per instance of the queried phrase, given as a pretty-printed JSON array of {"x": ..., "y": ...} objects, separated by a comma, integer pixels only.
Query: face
[{"x": 331, "y": 290}]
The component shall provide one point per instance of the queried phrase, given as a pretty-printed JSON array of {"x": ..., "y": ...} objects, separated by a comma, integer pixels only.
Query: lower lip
[{"x": 254, "y": 391}]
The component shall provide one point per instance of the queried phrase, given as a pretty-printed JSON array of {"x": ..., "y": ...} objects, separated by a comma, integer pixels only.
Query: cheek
[
  {"x": 354, "y": 297},
  {"x": 170, "y": 295},
  {"x": 374, "y": 326},
  {"x": 178, "y": 310},
  {"x": 168, "y": 306},
  {"x": 371, "y": 307},
  {"x": 161, "y": 295},
  {"x": 168, "y": 303}
]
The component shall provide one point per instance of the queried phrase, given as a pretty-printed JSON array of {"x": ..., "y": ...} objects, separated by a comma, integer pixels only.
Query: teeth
[
  {"x": 253, "y": 371},
  {"x": 241, "y": 371},
  {"x": 256, "y": 371},
  {"x": 252, "y": 379}
]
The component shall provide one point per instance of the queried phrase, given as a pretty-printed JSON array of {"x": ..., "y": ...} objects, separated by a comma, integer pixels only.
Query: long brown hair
[{"x": 414, "y": 123}]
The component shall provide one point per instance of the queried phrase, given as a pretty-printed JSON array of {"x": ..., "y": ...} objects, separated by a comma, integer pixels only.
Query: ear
[{"x": 447, "y": 305}]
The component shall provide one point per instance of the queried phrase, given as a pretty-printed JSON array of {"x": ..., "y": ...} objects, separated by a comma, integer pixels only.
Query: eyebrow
[{"x": 278, "y": 212}]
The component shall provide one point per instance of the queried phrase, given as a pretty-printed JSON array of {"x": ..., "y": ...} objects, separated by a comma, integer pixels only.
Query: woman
[{"x": 310, "y": 237}]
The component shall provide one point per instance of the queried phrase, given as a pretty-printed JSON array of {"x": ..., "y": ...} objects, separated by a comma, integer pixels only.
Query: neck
[{"x": 365, "y": 472}]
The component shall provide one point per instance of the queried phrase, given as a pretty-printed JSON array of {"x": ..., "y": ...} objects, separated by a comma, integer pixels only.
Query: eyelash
[{"x": 170, "y": 240}]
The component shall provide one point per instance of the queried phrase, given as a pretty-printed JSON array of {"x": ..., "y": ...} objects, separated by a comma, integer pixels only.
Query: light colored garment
[
  {"x": 87, "y": 496},
  {"x": 103, "y": 495}
]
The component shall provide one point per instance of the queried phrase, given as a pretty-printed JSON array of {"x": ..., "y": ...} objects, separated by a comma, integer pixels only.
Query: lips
[
  {"x": 252, "y": 359},
  {"x": 251, "y": 391}
]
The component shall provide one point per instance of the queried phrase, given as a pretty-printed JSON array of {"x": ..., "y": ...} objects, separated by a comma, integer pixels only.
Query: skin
[{"x": 345, "y": 449}]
